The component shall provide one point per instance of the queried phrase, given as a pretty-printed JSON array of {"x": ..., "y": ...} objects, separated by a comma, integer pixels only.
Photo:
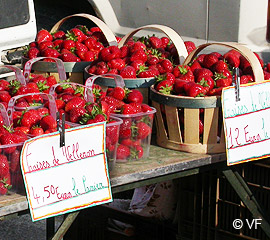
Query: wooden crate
[
  {"x": 74, "y": 70},
  {"x": 178, "y": 117}
]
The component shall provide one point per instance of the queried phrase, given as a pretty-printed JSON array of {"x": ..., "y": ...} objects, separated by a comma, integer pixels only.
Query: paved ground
[{"x": 22, "y": 228}]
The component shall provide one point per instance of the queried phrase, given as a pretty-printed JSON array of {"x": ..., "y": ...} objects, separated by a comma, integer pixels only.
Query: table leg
[{"x": 243, "y": 191}]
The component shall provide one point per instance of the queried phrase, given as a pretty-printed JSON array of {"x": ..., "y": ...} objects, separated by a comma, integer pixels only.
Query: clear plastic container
[{"x": 134, "y": 136}]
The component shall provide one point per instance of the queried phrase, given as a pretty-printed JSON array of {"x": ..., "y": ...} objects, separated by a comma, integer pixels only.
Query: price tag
[
  {"x": 58, "y": 179},
  {"x": 247, "y": 122}
]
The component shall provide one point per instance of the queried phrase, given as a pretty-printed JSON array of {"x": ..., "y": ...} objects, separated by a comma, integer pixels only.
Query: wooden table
[{"x": 162, "y": 164}]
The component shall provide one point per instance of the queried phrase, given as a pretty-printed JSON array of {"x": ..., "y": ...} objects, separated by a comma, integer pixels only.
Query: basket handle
[
  {"x": 246, "y": 52},
  {"x": 59, "y": 63},
  {"x": 48, "y": 97},
  {"x": 109, "y": 35},
  {"x": 119, "y": 81},
  {"x": 173, "y": 35},
  {"x": 4, "y": 114},
  {"x": 18, "y": 73}
]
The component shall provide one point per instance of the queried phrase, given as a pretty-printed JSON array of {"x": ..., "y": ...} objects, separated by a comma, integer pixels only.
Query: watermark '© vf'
[{"x": 238, "y": 223}]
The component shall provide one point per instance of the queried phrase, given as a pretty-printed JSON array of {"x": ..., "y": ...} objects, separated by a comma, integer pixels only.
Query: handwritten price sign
[
  {"x": 247, "y": 122},
  {"x": 64, "y": 179}
]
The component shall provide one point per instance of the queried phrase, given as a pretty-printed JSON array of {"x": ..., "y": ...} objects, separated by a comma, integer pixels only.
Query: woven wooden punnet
[
  {"x": 143, "y": 84},
  {"x": 171, "y": 110},
  {"x": 74, "y": 70}
]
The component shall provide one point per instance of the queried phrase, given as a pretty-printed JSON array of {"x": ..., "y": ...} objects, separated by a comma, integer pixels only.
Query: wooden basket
[
  {"x": 143, "y": 84},
  {"x": 185, "y": 137},
  {"x": 74, "y": 70}
]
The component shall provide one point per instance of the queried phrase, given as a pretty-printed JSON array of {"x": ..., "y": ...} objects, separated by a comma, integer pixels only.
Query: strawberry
[
  {"x": 146, "y": 72},
  {"x": 194, "y": 89},
  {"x": 138, "y": 55},
  {"x": 164, "y": 87},
  {"x": 183, "y": 72},
  {"x": 200, "y": 58},
  {"x": 33, "y": 52},
  {"x": 136, "y": 152},
  {"x": 4, "y": 96},
  {"x": 59, "y": 34},
  {"x": 30, "y": 118},
  {"x": 125, "y": 128},
  {"x": 116, "y": 63},
  {"x": 207, "y": 83},
  {"x": 154, "y": 42},
  {"x": 118, "y": 93},
  {"x": 134, "y": 96},
  {"x": 128, "y": 72},
  {"x": 76, "y": 114},
  {"x": 45, "y": 44},
  {"x": 128, "y": 109},
  {"x": 233, "y": 60},
  {"x": 36, "y": 131},
  {"x": 165, "y": 66},
  {"x": 69, "y": 45},
  {"x": 50, "y": 52},
  {"x": 209, "y": 60},
  {"x": 14, "y": 165},
  {"x": 76, "y": 34},
  {"x": 8, "y": 139},
  {"x": 43, "y": 35},
  {"x": 246, "y": 79},
  {"x": 143, "y": 130},
  {"x": 112, "y": 133},
  {"x": 219, "y": 66},
  {"x": 178, "y": 86},
  {"x": 110, "y": 53},
  {"x": 74, "y": 102},
  {"x": 190, "y": 46},
  {"x": 122, "y": 152},
  {"x": 136, "y": 46},
  {"x": 165, "y": 42},
  {"x": 69, "y": 57},
  {"x": 5, "y": 184},
  {"x": 4, "y": 166},
  {"x": 4, "y": 85},
  {"x": 201, "y": 72},
  {"x": 48, "y": 122}
]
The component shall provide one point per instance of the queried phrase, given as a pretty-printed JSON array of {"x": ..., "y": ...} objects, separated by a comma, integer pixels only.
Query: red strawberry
[
  {"x": 164, "y": 87},
  {"x": 5, "y": 184},
  {"x": 194, "y": 89},
  {"x": 116, "y": 63},
  {"x": 246, "y": 79},
  {"x": 136, "y": 46},
  {"x": 233, "y": 60},
  {"x": 74, "y": 102},
  {"x": 30, "y": 118},
  {"x": 165, "y": 42},
  {"x": 201, "y": 72},
  {"x": 183, "y": 72},
  {"x": 48, "y": 122},
  {"x": 128, "y": 109},
  {"x": 4, "y": 85},
  {"x": 50, "y": 52},
  {"x": 165, "y": 66},
  {"x": 195, "y": 65},
  {"x": 134, "y": 96},
  {"x": 110, "y": 53},
  {"x": 118, "y": 93},
  {"x": 143, "y": 130},
  {"x": 128, "y": 72},
  {"x": 179, "y": 85},
  {"x": 154, "y": 42},
  {"x": 14, "y": 165},
  {"x": 122, "y": 152},
  {"x": 33, "y": 52},
  {"x": 209, "y": 60},
  {"x": 4, "y": 166},
  {"x": 138, "y": 55},
  {"x": 8, "y": 139},
  {"x": 112, "y": 133},
  {"x": 76, "y": 114},
  {"x": 68, "y": 45},
  {"x": 190, "y": 46},
  {"x": 45, "y": 44},
  {"x": 69, "y": 57},
  {"x": 136, "y": 152},
  {"x": 4, "y": 96},
  {"x": 58, "y": 34},
  {"x": 219, "y": 66},
  {"x": 76, "y": 34},
  {"x": 146, "y": 72},
  {"x": 36, "y": 131},
  {"x": 43, "y": 35}
]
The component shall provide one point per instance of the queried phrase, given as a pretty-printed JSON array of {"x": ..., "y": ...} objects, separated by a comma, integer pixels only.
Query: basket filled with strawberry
[
  {"x": 76, "y": 47},
  {"x": 189, "y": 115},
  {"x": 136, "y": 130},
  {"x": 83, "y": 105},
  {"x": 139, "y": 60},
  {"x": 11, "y": 140},
  {"x": 36, "y": 120}
]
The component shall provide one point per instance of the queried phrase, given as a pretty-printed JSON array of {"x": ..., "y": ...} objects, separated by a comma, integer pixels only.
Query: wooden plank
[
  {"x": 191, "y": 126},
  {"x": 173, "y": 124},
  {"x": 210, "y": 132}
]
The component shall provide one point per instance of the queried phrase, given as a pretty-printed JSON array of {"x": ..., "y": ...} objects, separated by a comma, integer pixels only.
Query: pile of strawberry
[
  {"x": 37, "y": 83},
  {"x": 11, "y": 143},
  {"x": 208, "y": 74},
  {"x": 75, "y": 45},
  {"x": 146, "y": 57}
]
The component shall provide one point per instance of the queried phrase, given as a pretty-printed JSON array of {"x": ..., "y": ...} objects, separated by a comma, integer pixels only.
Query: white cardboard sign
[
  {"x": 247, "y": 122},
  {"x": 64, "y": 179}
]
